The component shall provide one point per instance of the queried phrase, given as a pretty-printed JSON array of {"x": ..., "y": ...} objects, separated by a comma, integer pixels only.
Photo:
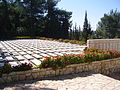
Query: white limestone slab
[
  {"x": 15, "y": 53},
  {"x": 37, "y": 52},
  {"x": 24, "y": 49},
  {"x": 7, "y": 54},
  {"x": 1, "y": 59},
  {"x": 43, "y": 51},
  {"x": 36, "y": 62},
  {"x": 10, "y": 58},
  {"x": 13, "y": 63},
  {"x": 18, "y": 50},
  {"x": 45, "y": 55},
  {"x": 11, "y": 50},
  {"x": 59, "y": 54},
  {"x": 24, "y": 61},
  {"x": 63, "y": 52},
  {"x": 37, "y": 56},
  {"x": 29, "y": 52},
  {"x": 23, "y": 53},
  {"x": 28, "y": 57},
  {"x": 50, "y": 51},
  {"x": 20, "y": 57},
  {"x": 51, "y": 54}
]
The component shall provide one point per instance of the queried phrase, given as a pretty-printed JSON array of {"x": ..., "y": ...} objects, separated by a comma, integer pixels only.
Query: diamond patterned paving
[{"x": 34, "y": 50}]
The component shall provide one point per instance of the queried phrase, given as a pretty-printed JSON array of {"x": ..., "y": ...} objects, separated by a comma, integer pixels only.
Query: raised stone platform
[{"x": 34, "y": 50}]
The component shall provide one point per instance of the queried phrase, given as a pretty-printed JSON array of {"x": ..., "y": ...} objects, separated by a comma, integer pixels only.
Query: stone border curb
[{"x": 106, "y": 67}]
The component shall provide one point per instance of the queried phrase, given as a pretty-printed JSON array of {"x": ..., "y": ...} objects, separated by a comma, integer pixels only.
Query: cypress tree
[{"x": 86, "y": 28}]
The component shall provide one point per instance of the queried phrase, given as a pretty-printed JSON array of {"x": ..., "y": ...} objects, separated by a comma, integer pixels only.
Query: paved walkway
[
  {"x": 34, "y": 50},
  {"x": 80, "y": 81}
]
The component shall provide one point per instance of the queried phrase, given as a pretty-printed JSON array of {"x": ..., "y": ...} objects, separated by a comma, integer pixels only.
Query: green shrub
[
  {"x": 22, "y": 67},
  {"x": 5, "y": 69},
  {"x": 94, "y": 50},
  {"x": 90, "y": 55},
  {"x": 24, "y": 37},
  {"x": 53, "y": 62}
]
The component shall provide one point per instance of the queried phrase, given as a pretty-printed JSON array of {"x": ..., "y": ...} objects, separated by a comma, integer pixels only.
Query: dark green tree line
[
  {"x": 86, "y": 29},
  {"x": 109, "y": 26},
  {"x": 85, "y": 34},
  {"x": 33, "y": 18}
]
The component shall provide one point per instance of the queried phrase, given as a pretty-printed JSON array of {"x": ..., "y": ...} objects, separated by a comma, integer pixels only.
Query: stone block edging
[
  {"x": 106, "y": 67},
  {"x": 112, "y": 44}
]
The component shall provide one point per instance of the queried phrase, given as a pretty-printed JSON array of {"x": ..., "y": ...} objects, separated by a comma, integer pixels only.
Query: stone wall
[
  {"x": 106, "y": 67},
  {"x": 112, "y": 44}
]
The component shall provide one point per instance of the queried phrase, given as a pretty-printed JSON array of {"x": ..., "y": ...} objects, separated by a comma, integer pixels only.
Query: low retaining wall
[
  {"x": 106, "y": 67},
  {"x": 112, "y": 44}
]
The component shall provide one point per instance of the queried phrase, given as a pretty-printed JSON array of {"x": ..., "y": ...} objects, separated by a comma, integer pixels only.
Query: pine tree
[{"x": 86, "y": 28}]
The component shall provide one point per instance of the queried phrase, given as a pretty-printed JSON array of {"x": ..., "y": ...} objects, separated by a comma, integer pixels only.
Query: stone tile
[
  {"x": 59, "y": 54},
  {"x": 15, "y": 53},
  {"x": 10, "y": 58},
  {"x": 29, "y": 52},
  {"x": 24, "y": 49},
  {"x": 20, "y": 57},
  {"x": 25, "y": 61},
  {"x": 13, "y": 63},
  {"x": 11, "y": 50},
  {"x": 28, "y": 57},
  {"x": 44, "y": 55},
  {"x": 37, "y": 56},
  {"x": 36, "y": 62},
  {"x": 1, "y": 59},
  {"x": 18, "y": 50},
  {"x": 42, "y": 51},
  {"x": 37, "y": 52},
  {"x": 7, "y": 54},
  {"x": 23, "y": 53},
  {"x": 51, "y": 54}
]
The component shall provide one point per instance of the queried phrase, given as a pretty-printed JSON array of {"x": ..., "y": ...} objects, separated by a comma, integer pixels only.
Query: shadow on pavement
[
  {"x": 29, "y": 85},
  {"x": 115, "y": 76},
  {"x": 61, "y": 78}
]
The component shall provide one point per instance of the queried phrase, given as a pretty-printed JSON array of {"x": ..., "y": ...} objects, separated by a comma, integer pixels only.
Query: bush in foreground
[
  {"x": 7, "y": 68},
  {"x": 22, "y": 67}
]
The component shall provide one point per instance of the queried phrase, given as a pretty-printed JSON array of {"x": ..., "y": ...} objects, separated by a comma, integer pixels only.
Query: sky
[{"x": 95, "y": 10}]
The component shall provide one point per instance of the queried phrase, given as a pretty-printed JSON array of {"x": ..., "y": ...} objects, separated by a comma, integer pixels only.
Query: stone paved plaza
[
  {"x": 80, "y": 81},
  {"x": 34, "y": 50}
]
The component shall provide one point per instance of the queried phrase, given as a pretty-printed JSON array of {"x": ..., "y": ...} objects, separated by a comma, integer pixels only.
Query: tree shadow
[
  {"x": 32, "y": 88},
  {"x": 20, "y": 84},
  {"x": 28, "y": 84},
  {"x": 115, "y": 75}
]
